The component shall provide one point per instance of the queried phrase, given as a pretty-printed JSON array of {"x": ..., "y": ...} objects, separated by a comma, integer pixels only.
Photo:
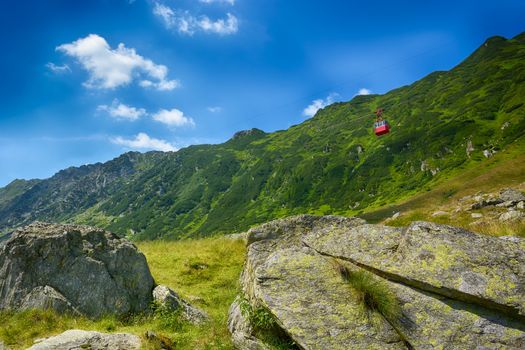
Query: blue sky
[{"x": 84, "y": 81}]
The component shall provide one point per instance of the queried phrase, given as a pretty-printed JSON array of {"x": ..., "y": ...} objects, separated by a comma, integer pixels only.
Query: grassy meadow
[{"x": 205, "y": 272}]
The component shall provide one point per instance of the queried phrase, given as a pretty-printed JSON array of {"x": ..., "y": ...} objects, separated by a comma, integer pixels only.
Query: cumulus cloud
[
  {"x": 173, "y": 117},
  {"x": 143, "y": 141},
  {"x": 214, "y": 109},
  {"x": 319, "y": 104},
  {"x": 363, "y": 91},
  {"x": 231, "y": 2},
  {"x": 58, "y": 69},
  {"x": 121, "y": 111},
  {"x": 186, "y": 23},
  {"x": 110, "y": 68}
]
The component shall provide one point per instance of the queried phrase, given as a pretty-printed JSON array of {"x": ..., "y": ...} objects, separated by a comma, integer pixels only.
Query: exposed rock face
[
  {"x": 511, "y": 195},
  {"x": 78, "y": 269},
  {"x": 512, "y": 216},
  {"x": 78, "y": 339},
  {"x": 455, "y": 289},
  {"x": 437, "y": 258},
  {"x": 166, "y": 297}
]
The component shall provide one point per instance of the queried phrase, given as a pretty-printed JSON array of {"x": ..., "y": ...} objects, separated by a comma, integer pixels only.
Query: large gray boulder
[
  {"x": 77, "y": 339},
  {"x": 77, "y": 269},
  {"x": 454, "y": 289}
]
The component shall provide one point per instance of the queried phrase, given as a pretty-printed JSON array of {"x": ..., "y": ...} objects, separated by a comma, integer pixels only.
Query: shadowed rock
[{"x": 71, "y": 268}]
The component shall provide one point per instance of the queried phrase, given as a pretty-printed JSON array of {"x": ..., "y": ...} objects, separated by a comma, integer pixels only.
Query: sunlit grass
[{"x": 204, "y": 271}]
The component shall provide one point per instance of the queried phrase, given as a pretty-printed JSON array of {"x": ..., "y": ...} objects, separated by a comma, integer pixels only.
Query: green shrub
[
  {"x": 260, "y": 318},
  {"x": 168, "y": 319},
  {"x": 265, "y": 327}
]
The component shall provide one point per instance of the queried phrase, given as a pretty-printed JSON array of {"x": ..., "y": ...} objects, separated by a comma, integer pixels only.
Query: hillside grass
[
  {"x": 505, "y": 169},
  {"x": 205, "y": 272}
]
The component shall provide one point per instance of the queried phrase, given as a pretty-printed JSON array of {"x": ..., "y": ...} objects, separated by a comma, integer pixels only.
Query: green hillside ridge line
[{"x": 329, "y": 164}]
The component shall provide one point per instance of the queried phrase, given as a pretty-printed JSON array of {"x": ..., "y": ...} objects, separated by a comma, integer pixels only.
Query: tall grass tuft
[{"x": 373, "y": 293}]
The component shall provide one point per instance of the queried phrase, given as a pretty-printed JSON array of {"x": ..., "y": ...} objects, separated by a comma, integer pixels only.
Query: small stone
[
  {"x": 511, "y": 216},
  {"x": 79, "y": 339},
  {"x": 476, "y": 215},
  {"x": 396, "y": 215},
  {"x": 439, "y": 213},
  {"x": 510, "y": 194},
  {"x": 165, "y": 296},
  {"x": 466, "y": 198},
  {"x": 520, "y": 205}
]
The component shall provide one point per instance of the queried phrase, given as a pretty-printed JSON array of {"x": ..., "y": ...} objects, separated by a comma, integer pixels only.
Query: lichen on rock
[{"x": 455, "y": 289}]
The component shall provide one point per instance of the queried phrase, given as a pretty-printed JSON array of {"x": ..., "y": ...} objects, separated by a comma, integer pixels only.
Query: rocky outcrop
[
  {"x": 78, "y": 339},
  {"x": 167, "y": 298},
  {"x": 437, "y": 258},
  {"x": 454, "y": 289},
  {"x": 77, "y": 269}
]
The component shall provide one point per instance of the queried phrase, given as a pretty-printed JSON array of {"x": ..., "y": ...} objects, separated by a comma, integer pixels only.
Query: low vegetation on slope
[
  {"x": 451, "y": 201},
  {"x": 204, "y": 271},
  {"x": 332, "y": 163}
]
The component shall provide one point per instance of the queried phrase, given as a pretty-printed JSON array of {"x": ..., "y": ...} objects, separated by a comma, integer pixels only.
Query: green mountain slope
[{"x": 331, "y": 163}]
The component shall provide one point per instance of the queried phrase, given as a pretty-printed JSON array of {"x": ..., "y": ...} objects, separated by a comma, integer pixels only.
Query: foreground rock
[
  {"x": 442, "y": 259},
  {"x": 78, "y": 339},
  {"x": 454, "y": 289},
  {"x": 77, "y": 269},
  {"x": 328, "y": 315},
  {"x": 167, "y": 298}
]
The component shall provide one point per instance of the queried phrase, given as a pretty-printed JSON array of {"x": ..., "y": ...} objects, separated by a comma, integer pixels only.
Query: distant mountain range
[{"x": 331, "y": 163}]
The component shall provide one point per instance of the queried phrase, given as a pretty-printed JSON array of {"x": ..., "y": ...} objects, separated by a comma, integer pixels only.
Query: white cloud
[
  {"x": 363, "y": 91},
  {"x": 121, "y": 111},
  {"x": 214, "y": 109},
  {"x": 231, "y": 2},
  {"x": 230, "y": 25},
  {"x": 173, "y": 117},
  {"x": 164, "y": 12},
  {"x": 110, "y": 68},
  {"x": 186, "y": 23},
  {"x": 319, "y": 104},
  {"x": 143, "y": 141},
  {"x": 58, "y": 69}
]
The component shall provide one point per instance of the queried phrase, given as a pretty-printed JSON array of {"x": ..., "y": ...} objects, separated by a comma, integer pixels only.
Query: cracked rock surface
[{"x": 455, "y": 289}]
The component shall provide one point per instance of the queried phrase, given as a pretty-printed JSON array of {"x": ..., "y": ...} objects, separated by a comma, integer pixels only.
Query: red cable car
[{"x": 381, "y": 126}]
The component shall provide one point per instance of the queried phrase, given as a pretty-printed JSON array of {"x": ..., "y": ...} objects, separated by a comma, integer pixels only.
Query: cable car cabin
[{"x": 381, "y": 128}]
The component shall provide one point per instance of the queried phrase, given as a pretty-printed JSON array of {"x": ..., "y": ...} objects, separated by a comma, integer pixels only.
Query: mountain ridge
[{"x": 329, "y": 164}]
